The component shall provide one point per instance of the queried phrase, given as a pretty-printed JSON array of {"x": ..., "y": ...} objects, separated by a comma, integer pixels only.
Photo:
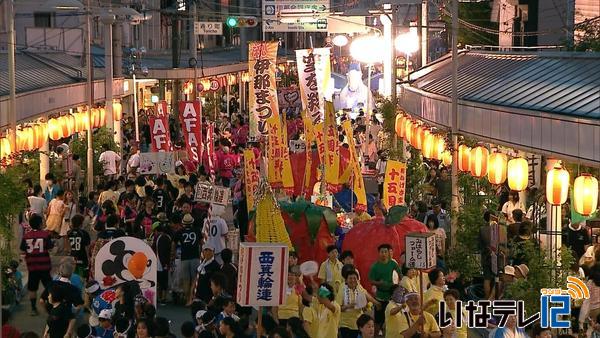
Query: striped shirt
[{"x": 36, "y": 245}]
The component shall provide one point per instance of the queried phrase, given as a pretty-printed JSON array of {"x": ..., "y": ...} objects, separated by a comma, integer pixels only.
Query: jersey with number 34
[{"x": 36, "y": 245}]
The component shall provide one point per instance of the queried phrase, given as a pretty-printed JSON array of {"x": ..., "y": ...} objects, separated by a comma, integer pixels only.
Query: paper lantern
[
  {"x": 439, "y": 148},
  {"x": 418, "y": 137},
  {"x": 231, "y": 79},
  {"x": 117, "y": 111},
  {"x": 399, "y": 125},
  {"x": 429, "y": 144},
  {"x": 518, "y": 174},
  {"x": 5, "y": 150},
  {"x": 408, "y": 130},
  {"x": 447, "y": 158},
  {"x": 585, "y": 194},
  {"x": 464, "y": 157},
  {"x": 67, "y": 125},
  {"x": 54, "y": 129},
  {"x": 98, "y": 117},
  {"x": 497, "y": 168},
  {"x": 557, "y": 185},
  {"x": 479, "y": 161},
  {"x": 40, "y": 135}
]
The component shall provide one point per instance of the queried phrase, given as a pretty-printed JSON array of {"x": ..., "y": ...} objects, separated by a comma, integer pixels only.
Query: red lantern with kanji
[
  {"x": 464, "y": 157},
  {"x": 497, "y": 168},
  {"x": 479, "y": 161},
  {"x": 557, "y": 185}
]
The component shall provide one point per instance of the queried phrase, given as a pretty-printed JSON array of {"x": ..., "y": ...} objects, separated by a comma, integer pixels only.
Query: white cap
[
  {"x": 105, "y": 314},
  {"x": 200, "y": 313},
  {"x": 178, "y": 163}
]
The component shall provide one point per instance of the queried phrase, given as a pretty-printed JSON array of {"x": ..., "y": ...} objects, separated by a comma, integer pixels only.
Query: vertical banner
[
  {"x": 312, "y": 100},
  {"x": 159, "y": 129},
  {"x": 332, "y": 149},
  {"x": 190, "y": 116},
  {"x": 394, "y": 183},
  {"x": 210, "y": 151},
  {"x": 323, "y": 66},
  {"x": 309, "y": 139},
  {"x": 358, "y": 184},
  {"x": 251, "y": 177},
  {"x": 319, "y": 136},
  {"x": 262, "y": 61}
]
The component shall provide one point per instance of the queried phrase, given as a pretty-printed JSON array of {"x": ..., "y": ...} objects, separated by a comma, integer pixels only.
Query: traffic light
[{"x": 241, "y": 21}]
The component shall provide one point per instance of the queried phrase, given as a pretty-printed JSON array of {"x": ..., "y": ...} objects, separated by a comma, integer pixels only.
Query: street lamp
[
  {"x": 407, "y": 43},
  {"x": 368, "y": 49}
]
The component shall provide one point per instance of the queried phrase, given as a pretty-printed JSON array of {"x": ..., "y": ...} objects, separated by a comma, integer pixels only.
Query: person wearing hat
[
  {"x": 355, "y": 95},
  {"x": 105, "y": 329},
  {"x": 507, "y": 278},
  {"x": 416, "y": 321},
  {"x": 207, "y": 267},
  {"x": 188, "y": 239},
  {"x": 215, "y": 230},
  {"x": 521, "y": 271},
  {"x": 163, "y": 247}
]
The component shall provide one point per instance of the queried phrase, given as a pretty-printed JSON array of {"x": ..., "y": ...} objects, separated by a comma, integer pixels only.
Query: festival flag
[
  {"x": 190, "y": 116},
  {"x": 332, "y": 156},
  {"x": 262, "y": 61},
  {"x": 323, "y": 66},
  {"x": 394, "y": 184},
  {"x": 287, "y": 175},
  {"x": 312, "y": 99},
  {"x": 251, "y": 177},
  {"x": 308, "y": 139},
  {"x": 159, "y": 128},
  {"x": 358, "y": 184},
  {"x": 210, "y": 151},
  {"x": 279, "y": 171}
]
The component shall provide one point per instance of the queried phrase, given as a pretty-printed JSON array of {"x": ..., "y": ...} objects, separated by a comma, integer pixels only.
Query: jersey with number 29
[
  {"x": 189, "y": 239},
  {"x": 36, "y": 245}
]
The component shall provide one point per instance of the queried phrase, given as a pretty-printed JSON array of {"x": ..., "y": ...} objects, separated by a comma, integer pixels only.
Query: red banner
[
  {"x": 159, "y": 128},
  {"x": 190, "y": 116},
  {"x": 210, "y": 151}
]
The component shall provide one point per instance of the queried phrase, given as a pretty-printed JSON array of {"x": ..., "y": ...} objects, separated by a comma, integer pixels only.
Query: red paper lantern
[
  {"x": 479, "y": 161},
  {"x": 464, "y": 157},
  {"x": 557, "y": 185}
]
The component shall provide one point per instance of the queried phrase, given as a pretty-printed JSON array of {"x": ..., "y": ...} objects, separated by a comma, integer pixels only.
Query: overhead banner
[
  {"x": 312, "y": 101},
  {"x": 251, "y": 177},
  {"x": 394, "y": 184},
  {"x": 157, "y": 163},
  {"x": 332, "y": 154},
  {"x": 159, "y": 128},
  {"x": 358, "y": 184},
  {"x": 190, "y": 116},
  {"x": 262, "y": 61}
]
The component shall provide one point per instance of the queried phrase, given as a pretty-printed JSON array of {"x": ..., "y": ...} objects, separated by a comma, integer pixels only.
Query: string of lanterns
[
  {"x": 32, "y": 137},
  {"x": 498, "y": 168}
]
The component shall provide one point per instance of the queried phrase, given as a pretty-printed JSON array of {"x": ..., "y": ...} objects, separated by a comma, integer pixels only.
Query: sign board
[
  {"x": 208, "y": 28},
  {"x": 157, "y": 163},
  {"x": 394, "y": 184},
  {"x": 322, "y": 200},
  {"x": 272, "y": 14},
  {"x": 127, "y": 259},
  {"x": 297, "y": 146},
  {"x": 262, "y": 274},
  {"x": 209, "y": 193},
  {"x": 289, "y": 97},
  {"x": 420, "y": 250}
]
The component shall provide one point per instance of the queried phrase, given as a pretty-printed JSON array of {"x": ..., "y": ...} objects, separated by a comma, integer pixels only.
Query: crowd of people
[{"x": 197, "y": 269}]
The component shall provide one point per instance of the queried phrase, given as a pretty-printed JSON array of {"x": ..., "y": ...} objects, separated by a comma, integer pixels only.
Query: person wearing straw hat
[
  {"x": 521, "y": 271},
  {"x": 416, "y": 321}
]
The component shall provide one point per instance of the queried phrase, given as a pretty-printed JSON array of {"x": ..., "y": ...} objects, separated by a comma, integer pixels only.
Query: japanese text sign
[
  {"x": 332, "y": 149},
  {"x": 262, "y": 274},
  {"x": 209, "y": 193},
  {"x": 420, "y": 250},
  {"x": 190, "y": 116},
  {"x": 394, "y": 183},
  {"x": 251, "y": 177},
  {"x": 358, "y": 183},
  {"x": 312, "y": 99},
  {"x": 262, "y": 61},
  {"x": 159, "y": 128}
]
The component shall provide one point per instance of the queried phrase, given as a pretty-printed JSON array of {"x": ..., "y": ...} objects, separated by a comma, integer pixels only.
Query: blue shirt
[{"x": 105, "y": 333}]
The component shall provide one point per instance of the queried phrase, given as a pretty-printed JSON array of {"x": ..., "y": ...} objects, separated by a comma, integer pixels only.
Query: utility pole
[
  {"x": 454, "y": 117},
  {"x": 424, "y": 32},
  {"x": 194, "y": 46},
  {"x": 12, "y": 106},
  {"x": 90, "y": 96}
]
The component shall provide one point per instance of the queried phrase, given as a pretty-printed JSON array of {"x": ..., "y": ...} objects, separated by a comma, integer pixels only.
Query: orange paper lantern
[
  {"x": 440, "y": 148},
  {"x": 497, "y": 168},
  {"x": 518, "y": 174},
  {"x": 117, "y": 111},
  {"x": 557, "y": 185},
  {"x": 418, "y": 137},
  {"x": 429, "y": 144},
  {"x": 67, "y": 125},
  {"x": 40, "y": 135},
  {"x": 54, "y": 129},
  {"x": 479, "y": 161},
  {"x": 464, "y": 157},
  {"x": 5, "y": 150},
  {"x": 399, "y": 125},
  {"x": 585, "y": 194},
  {"x": 447, "y": 158}
]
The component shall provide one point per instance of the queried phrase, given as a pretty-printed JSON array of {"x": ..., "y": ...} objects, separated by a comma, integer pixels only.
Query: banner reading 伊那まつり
[{"x": 262, "y": 61}]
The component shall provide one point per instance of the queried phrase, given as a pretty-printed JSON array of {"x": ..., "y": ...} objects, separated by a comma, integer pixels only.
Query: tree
[
  {"x": 587, "y": 36},
  {"x": 101, "y": 136}
]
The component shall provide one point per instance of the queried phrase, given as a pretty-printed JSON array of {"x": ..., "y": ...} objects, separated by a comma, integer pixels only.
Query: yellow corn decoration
[{"x": 269, "y": 224}]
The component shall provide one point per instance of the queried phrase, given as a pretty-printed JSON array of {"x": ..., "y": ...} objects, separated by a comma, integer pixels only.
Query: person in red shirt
[
  {"x": 240, "y": 133},
  {"x": 8, "y": 331},
  {"x": 36, "y": 245},
  {"x": 227, "y": 162}
]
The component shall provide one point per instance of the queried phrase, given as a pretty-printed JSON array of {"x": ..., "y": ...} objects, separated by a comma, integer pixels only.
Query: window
[{"x": 43, "y": 19}]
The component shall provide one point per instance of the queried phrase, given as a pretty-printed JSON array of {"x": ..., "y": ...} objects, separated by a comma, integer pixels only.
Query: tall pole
[
  {"x": 135, "y": 110},
  {"x": 90, "y": 96},
  {"x": 368, "y": 116},
  {"x": 424, "y": 32},
  {"x": 194, "y": 48},
  {"x": 454, "y": 173},
  {"x": 108, "y": 20},
  {"x": 12, "y": 106}
]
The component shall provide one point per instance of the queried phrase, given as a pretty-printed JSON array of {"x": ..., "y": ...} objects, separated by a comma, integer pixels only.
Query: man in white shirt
[
  {"x": 134, "y": 162},
  {"x": 214, "y": 231},
  {"x": 37, "y": 204},
  {"x": 110, "y": 162}
]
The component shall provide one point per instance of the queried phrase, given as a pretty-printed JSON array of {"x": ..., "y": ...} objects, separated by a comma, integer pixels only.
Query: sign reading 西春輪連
[
  {"x": 262, "y": 274},
  {"x": 420, "y": 250}
]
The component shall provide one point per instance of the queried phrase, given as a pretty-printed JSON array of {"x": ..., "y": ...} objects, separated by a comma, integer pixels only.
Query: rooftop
[{"x": 565, "y": 83}]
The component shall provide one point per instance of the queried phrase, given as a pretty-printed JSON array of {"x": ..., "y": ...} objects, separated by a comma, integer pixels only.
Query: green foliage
[
  {"x": 12, "y": 195},
  {"x": 388, "y": 111},
  {"x": 101, "y": 136},
  {"x": 544, "y": 272},
  {"x": 415, "y": 174},
  {"x": 588, "y": 36}
]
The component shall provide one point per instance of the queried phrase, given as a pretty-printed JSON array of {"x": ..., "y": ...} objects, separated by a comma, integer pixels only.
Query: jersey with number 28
[{"x": 36, "y": 245}]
